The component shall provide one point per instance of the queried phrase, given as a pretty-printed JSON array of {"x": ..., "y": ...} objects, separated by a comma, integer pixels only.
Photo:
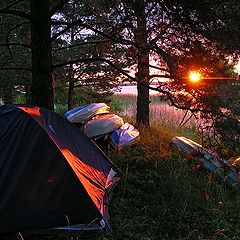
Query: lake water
[{"x": 133, "y": 90}]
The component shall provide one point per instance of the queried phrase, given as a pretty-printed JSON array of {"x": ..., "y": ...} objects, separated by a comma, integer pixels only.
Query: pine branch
[
  {"x": 58, "y": 7},
  {"x": 13, "y": 3},
  {"x": 158, "y": 68},
  {"x": 15, "y": 13},
  {"x": 14, "y": 44},
  {"x": 84, "y": 25},
  {"x": 15, "y": 68},
  {"x": 9, "y": 32},
  {"x": 81, "y": 44}
]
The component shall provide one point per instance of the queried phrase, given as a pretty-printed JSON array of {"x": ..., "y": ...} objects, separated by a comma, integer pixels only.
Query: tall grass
[
  {"x": 162, "y": 115},
  {"x": 160, "y": 110},
  {"x": 161, "y": 196}
]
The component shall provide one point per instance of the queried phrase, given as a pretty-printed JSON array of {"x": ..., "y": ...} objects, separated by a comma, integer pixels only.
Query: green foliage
[
  {"x": 229, "y": 134},
  {"x": 86, "y": 95},
  {"x": 60, "y": 109},
  {"x": 19, "y": 98},
  {"x": 116, "y": 104},
  {"x": 221, "y": 123}
]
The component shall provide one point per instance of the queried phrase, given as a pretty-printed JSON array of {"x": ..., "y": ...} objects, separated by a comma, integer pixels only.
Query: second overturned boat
[{"x": 100, "y": 125}]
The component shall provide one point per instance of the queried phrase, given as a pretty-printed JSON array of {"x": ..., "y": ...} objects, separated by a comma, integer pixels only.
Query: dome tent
[{"x": 52, "y": 176}]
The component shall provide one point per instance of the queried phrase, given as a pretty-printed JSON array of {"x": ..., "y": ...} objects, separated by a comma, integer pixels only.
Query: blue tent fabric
[{"x": 51, "y": 174}]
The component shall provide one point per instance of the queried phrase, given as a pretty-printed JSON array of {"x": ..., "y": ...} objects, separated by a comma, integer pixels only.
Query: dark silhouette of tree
[
  {"x": 37, "y": 14},
  {"x": 42, "y": 76}
]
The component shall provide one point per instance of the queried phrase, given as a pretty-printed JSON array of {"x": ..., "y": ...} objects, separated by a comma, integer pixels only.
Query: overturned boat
[
  {"x": 208, "y": 160},
  {"x": 123, "y": 136},
  {"x": 101, "y": 125},
  {"x": 84, "y": 113}
]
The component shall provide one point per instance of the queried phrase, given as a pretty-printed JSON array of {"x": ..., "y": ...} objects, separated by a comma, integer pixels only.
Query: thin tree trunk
[
  {"x": 27, "y": 94},
  {"x": 142, "y": 117},
  {"x": 42, "y": 77},
  {"x": 71, "y": 78},
  {"x": 70, "y": 93}
]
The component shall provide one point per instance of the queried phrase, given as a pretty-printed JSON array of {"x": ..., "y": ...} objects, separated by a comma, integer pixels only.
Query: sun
[
  {"x": 237, "y": 68},
  {"x": 195, "y": 76}
]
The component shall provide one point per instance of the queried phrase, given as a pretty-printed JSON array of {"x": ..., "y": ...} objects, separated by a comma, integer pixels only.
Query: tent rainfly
[{"x": 52, "y": 176}]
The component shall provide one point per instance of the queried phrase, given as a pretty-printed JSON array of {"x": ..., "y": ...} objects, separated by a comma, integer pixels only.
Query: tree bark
[
  {"x": 141, "y": 38},
  {"x": 8, "y": 94},
  {"x": 70, "y": 92},
  {"x": 71, "y": 78},
  {"x": 42, "y": 77},
  {"x": 27, "y": 94}
]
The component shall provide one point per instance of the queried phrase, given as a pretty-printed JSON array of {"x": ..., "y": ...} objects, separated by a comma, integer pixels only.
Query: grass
[
  {"x": 161, "y": 195},
  {"x": 60, "y": 109},
  {"x": 160, "y": 111}
]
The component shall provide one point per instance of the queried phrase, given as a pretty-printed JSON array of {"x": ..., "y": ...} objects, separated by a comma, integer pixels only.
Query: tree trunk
[
  {"x": 8, "y": 94},
  {"x": 27, "y": 94},
  {"x": 71, "y": 78},
  {"x": 70, "y": 93},
  {"x": 142, "y": 117},
  {"x": 42, "y": 77}
]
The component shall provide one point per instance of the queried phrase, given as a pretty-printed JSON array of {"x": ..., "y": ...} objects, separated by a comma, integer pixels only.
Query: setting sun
[{"x": 195, "y": 76}]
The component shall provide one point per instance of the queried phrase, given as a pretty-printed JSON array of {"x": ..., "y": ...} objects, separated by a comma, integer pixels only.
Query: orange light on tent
[
  {"x": 195, "y": 76},
  {"x": 34, "y": 111}
]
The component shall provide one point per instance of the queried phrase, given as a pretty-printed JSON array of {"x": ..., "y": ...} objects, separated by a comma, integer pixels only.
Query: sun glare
[
  {"x": 195, "y": 76},
  {"x": 237, "y": 68}
]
